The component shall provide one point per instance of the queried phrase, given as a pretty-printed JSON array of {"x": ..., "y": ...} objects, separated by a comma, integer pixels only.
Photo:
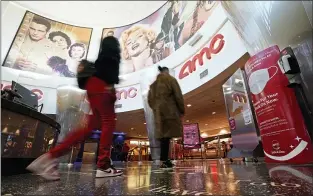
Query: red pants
[{"x": 102, "y": 104}]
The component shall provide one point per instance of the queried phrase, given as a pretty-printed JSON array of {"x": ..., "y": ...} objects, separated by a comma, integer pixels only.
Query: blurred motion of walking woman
[
  {"x": 166, "y": 100},
  {"x": 98, "y": 80}
]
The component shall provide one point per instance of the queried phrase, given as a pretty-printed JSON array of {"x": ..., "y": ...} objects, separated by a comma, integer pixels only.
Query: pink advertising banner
[
  {"x": 284, "y": 134},
  {"x": 191, "y": 136}
]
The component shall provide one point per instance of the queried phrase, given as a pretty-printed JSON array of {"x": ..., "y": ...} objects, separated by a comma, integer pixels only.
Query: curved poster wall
[
  {"x": 48, "y": 47},
  {"x": 154, "y": 38},
  {"x": 218, "y": 46}
]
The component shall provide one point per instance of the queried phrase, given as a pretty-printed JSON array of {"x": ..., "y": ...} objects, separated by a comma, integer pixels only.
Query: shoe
[
  {"x": 167, "y": 165},
  {"x": 45, "y": 166},
  {"x": 110, "y": 172}
]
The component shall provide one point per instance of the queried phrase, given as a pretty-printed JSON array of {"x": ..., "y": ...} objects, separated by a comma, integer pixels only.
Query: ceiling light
[
  {"x": 206, "y": 124},
  {"x": 132, "y": 128},
  {"x": 115, "y": 118},
  {"x": 204, "y": 135},
  {"x": 213, "y": 113},
  {"x": 188, "y": 105},
  {"x": 139, "y": 135},
  {"x": 223, "y": 131},
  {"x": 187, "y": 120},
  {"x": 144, "y": 123}
]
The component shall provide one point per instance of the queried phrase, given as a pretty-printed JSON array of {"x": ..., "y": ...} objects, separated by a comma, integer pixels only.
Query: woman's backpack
[{"x": 85, "y": 70}]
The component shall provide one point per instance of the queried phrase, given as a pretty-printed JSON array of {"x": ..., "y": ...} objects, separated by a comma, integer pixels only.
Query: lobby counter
[{"x": 25, "y": 135}]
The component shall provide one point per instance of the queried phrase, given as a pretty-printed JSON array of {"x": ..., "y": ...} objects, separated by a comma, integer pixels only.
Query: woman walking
[
  {"x": 167, "y": 102},
  {"x": 99, "y": 82}
]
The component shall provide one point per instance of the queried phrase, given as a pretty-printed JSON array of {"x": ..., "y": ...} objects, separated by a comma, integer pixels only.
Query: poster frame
[
  {"x": 199, "y": 141},
  {"x": 20, "y": 25}
]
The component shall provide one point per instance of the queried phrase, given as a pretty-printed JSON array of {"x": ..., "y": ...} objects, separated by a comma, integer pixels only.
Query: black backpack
[{"x": 85, "y": 70}]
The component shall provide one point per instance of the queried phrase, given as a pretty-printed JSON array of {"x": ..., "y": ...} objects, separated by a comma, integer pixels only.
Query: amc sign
[
  {"x": 126, "y": 93},
  {"x": 215, "y": 46}
]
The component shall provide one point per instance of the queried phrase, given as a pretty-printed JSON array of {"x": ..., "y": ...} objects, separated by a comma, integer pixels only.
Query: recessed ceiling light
[
  {"x": 206, "y": 124},
  {"x": 213, "y": 113},
  {"x": 187, "y": 120},
  {"x": 223, "y": 131},
  {"x": 144, "y": 123},
  {"x": 204, "y": 135},
  {"x": 132, "y": 128},
  {"x": 188, "y": 105}
]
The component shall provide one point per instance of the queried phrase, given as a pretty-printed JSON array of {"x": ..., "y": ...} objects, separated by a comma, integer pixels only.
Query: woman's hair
[
  {"x": 55, "y": 61},
  {"x": 77, "y": 45},
  {"x": 163, "y": 69},
  {"x": 61, "y": 34},
  {"x": 108, "y": 62},
  {"x": 149, "y": 33}
]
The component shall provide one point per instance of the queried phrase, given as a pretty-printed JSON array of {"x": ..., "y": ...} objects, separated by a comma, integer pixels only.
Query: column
[
  {"x": 146, "y": 79},
  {"x": 72, "y": 110}
]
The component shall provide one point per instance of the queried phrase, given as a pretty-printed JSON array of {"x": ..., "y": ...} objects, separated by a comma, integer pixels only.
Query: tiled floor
[{"x": 189, "y": 178}]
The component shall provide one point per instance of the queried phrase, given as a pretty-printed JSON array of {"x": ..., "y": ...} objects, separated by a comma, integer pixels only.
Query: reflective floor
[{"x": 188, "y": 178}]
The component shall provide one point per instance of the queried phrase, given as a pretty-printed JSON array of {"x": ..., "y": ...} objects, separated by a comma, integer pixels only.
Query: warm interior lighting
[
  {"x": 133, "y": 142},
  {"x": 213, "y": 113},
  {"x": 188, "y": 105},
  {"x": 223, "y": 131},
  {"x": 204, "y": 135}
]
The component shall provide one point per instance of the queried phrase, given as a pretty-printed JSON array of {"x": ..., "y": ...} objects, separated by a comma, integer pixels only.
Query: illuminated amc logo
[
  {"x": 123, "y": 94},
  {"x": 38, "y": 92},
  {"x": 216, "y": 45}
]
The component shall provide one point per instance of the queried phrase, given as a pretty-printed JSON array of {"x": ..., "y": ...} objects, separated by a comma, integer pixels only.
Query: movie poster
[
  {"x": 48, "y": 47},
  {"x": 191, "y": 137},
  {"x": 284, "y": 134},
  {"x": 154, "y": 38}
]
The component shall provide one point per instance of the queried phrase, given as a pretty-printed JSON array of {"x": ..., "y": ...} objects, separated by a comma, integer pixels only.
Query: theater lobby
[{"x": 245, "y": 73}]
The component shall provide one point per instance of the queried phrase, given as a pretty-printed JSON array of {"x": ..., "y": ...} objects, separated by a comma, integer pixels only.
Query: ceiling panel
[{"x": 93, "y": 13}]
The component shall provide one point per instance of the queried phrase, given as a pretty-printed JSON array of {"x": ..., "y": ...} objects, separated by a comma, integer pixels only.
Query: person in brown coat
[{"x": 167, "y": 102}]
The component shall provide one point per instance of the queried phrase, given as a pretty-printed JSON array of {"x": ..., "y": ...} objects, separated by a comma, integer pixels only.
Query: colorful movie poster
[
  {"x": 191, "y": 136},
  {"x": 48, "y": 47},
  {"x": 284, "y": 135},
  {"x": 154, "y": 38}
]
